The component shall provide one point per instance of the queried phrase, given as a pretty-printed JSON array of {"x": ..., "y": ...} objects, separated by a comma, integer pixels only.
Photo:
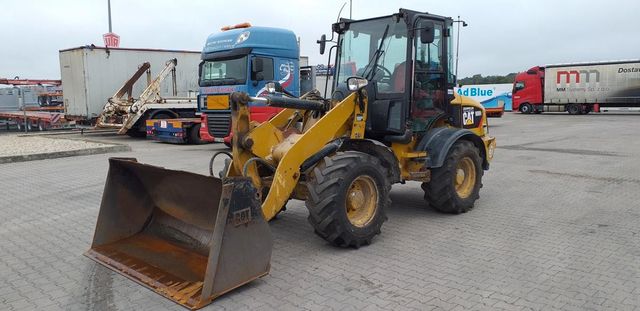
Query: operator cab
[{"x": 407, "y": 59}]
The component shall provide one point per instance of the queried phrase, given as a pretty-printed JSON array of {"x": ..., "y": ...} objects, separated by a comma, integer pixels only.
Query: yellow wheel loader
[{"x": 392, "y": 118}]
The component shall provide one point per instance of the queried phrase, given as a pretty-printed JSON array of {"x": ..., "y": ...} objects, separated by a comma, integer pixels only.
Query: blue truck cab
[{"x": 243, "y": 58}]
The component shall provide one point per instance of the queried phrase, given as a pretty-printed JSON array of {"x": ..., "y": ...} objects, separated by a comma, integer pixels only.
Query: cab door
[
  {"x": 429, "y": 87},
  {"x": 388, "y": 110}
]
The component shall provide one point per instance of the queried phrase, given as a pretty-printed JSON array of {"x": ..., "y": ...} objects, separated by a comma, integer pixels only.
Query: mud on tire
[{"x": 330, "y": 184}]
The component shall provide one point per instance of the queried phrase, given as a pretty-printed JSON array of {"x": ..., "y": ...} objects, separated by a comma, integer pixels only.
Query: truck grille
[{"x": 219, "y": 124}]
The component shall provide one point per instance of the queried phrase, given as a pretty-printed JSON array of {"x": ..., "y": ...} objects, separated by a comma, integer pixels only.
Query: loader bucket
[{"x": 188, "y": 237}]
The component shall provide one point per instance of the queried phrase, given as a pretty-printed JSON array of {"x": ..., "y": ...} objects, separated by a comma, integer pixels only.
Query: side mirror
[
  {"x": 273, "y": 87},
  {"x": 427, "y": 32},
  {"x": 356, "y": 83},
  {"x": 200, "y": 70},
  {"x": 322, "y": 42},
  {"x": 259, "y": 76},
  {"x": 257, "y": 65}
]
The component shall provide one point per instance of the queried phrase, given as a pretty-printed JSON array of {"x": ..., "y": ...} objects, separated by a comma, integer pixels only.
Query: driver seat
[{"x": 397, "y": 78}]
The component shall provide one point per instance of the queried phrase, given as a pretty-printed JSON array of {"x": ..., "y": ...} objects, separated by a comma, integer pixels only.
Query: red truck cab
[{"x": 528, "y": 88}]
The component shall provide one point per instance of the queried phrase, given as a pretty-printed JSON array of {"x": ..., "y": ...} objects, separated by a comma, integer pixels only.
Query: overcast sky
[{"x": 502, "y": 36}]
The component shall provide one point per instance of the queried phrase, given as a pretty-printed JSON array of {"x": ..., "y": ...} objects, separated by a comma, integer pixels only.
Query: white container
[{"x": 90, "y": 75}]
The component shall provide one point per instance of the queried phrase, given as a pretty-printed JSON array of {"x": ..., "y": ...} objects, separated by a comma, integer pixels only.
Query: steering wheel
[{"x": 386, "y": 74}]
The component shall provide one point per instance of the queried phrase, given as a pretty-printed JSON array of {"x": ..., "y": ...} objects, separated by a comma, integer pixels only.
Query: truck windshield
[
  {"x": 224, "y": 72},
  {"x": 373, "y": 49}
]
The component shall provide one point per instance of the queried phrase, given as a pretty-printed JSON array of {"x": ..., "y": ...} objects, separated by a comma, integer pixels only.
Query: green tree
[{"x": 495, "y": 79}]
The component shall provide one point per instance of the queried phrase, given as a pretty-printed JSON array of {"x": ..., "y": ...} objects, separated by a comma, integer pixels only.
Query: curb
[{"x": 64, "y": 154}]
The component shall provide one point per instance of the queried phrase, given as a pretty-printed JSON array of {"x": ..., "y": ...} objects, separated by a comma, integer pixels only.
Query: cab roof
[{"x": 267, "y": 41}]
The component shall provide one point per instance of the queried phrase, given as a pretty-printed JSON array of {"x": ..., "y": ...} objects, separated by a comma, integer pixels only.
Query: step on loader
[{"x": 392, "y": 118}]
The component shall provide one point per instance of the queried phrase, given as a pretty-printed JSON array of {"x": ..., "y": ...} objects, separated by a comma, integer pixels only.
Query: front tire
[
  {"x": 526, "y": 108},
  {"x": 455, "y": 186},
  {"x": 348, "y": 195},
  {"x": 194, "y": 135}
]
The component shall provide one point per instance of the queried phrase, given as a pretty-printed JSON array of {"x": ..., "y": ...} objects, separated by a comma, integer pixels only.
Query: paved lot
[{"x": 557, "y": 227}]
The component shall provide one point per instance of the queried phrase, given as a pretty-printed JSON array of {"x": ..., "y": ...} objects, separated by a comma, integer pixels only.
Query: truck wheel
[
  {"x": 30, "y": 126},
  {"x": 574, "y": 109},
  {"x": 348, "y": 195},
  {"x": 455, "y": 186},
  {"x": 526, "y": 108},
  {"x": 194, "y": 135}
]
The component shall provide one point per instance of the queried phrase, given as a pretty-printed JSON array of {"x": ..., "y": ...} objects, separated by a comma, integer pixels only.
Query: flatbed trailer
[
  {"x": 176, "y": 131},
  {"x": 36, "y": 120}
]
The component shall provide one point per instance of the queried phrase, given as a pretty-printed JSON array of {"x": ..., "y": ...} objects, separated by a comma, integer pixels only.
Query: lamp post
[
  {"x": 464, "y": 24},
  {"x": 109, "y": 9}
]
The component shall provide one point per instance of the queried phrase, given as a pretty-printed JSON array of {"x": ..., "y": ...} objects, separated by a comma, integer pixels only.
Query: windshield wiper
[{"x": 375, "y": 57}]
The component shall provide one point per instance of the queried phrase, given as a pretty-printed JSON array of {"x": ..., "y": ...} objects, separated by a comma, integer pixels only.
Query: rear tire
[
  {"x": 455, "y": 186},
  {"x": 348, "y": 195},
  {"x": 574, "y": 109}
]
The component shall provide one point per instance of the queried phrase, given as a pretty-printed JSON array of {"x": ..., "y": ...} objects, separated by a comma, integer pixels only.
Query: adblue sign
[
  {"x": 489, "y": 95},
  {"x": 475, "y": 91}
]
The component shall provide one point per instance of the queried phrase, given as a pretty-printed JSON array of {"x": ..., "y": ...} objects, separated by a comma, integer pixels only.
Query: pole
[
  {"x": 457, "y": 48},
  {"x": 350, "y": 8},
  {"x": 109, "y": 7}
]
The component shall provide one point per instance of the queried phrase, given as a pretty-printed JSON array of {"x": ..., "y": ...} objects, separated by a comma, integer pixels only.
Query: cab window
[
  {"x": 428, "y": 90},
  {"x": 267, "y": 69}
]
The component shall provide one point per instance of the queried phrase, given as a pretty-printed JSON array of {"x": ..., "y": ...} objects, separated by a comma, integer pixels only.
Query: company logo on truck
[
  {"x": 243, "y": 37},
  {"x": 564, "y": 77},
  {"x": 628, "y": 70}
]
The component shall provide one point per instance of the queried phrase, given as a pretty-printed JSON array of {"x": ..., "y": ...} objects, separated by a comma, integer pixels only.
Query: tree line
[{"x": 479, "y": 79}]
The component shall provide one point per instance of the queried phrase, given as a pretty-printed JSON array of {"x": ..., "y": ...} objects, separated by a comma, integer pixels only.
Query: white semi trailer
[{"x": 576, "y": 88}]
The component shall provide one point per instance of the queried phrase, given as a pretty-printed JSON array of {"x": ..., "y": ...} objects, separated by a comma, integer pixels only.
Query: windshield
[
  {"x": 224, "y": 72},
  {"x": 373, "y": 49}
]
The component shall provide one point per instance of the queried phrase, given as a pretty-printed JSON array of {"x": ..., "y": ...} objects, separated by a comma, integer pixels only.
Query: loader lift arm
[{"x": 290, "y": 150}]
